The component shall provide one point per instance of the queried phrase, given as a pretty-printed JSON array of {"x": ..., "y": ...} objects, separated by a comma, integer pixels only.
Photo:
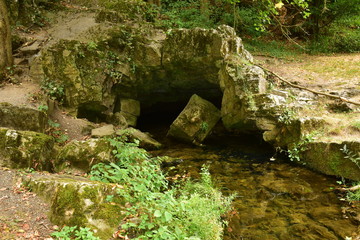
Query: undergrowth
[{"x": 187, "y": 210}]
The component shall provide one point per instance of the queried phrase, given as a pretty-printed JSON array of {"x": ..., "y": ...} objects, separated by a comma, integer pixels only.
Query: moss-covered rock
[
  {"x": 79, "y": 201},
  {"x": 145, "y": 141},
  {"x": 195, "y": 122},
  {"x": 80, "y": 156},
  {"x": 22, "y": 118},
  {"x": 328, "y": 158},
  {"x": 26, "y": 149}
]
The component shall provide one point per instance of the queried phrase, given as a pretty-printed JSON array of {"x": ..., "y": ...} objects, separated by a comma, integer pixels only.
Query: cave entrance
[{"x": 158, "y": 117}]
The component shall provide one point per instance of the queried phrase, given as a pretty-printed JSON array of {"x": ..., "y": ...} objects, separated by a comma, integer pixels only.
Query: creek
[{"x": 275, "y": 199}]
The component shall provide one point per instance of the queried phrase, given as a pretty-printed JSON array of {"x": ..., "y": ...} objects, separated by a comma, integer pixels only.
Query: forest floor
[{"x": 23, "y": 215}]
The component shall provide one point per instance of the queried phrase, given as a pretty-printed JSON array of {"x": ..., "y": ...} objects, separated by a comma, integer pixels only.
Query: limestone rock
[
  {"x": 328, "y": 158},
  {"x": 26, "y": 149},
  {"x": 104, "y": 131},
  {"x": 130, "y": 106},
  {"x": 285, "y": 135},
  {"x": 22, "y": 118},
  {"x": 80, "y": 156},
  {"x": 195, "y": 122},
  {"x": 118, "y": 120},
  {"x": 145, "y": 141},
  {"x": 130, "y": 119},
  {"x": 79, "y": 201}
]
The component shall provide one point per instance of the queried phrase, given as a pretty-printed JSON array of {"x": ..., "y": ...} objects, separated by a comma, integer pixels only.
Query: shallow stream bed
[{"x": 275, "y": 199}]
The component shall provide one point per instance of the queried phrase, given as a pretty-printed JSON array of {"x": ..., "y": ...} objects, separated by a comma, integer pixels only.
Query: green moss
[
  {"x": 67, "y": 206},
  {"x": 109, "y": 211}
]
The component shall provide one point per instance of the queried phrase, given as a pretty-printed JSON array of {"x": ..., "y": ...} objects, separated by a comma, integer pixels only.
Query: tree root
[{"x": 308, "y": 89}]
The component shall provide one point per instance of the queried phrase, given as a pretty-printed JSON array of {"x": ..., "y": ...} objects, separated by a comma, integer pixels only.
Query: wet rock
[
  {"x": 328, "y": 158},
  {"x": 77, "y": 201},
  {"x": 145, "y": 141},
  {"x": 80, "y": 156},
  {"x": 104, "y": 131},
  {"x": 22, "y": 118},
  {"x": 195, "y": 122},
  {"x": 26, "y": 149}
]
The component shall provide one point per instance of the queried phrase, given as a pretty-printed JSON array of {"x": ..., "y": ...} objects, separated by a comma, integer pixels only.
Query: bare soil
[{"x": 23, "y": 215}]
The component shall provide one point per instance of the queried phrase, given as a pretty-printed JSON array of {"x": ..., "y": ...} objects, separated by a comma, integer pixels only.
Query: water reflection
[{"x": 276, "y": 200}]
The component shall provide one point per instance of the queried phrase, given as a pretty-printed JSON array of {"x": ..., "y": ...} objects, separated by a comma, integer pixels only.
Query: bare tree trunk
[{"x": 5, "y": 39}]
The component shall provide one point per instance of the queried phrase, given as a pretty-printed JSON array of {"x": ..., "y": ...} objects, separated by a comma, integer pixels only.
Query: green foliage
[
  {"x": 204, "y": 126},
  {"x": 287, "y": 116},
  {"x": 343, "y": 36},
  {"x": 68, "y": 233},
  {"x": 188, "y": 210},
  {"x": 353, "y": 195},
  {"x": 272, "y": 48},
  {"x": 55, "y": 131},
  {"x": 299, "y": 147},
  {"x": 54, "y": 90},
  {"x": 185, "y": 14},
  {"x": 43, "y": 108},
  {"x": 350, "y": 155}
]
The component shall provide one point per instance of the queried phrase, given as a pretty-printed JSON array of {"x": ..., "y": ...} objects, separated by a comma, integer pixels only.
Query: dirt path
[{"x": 23, "y": 215}]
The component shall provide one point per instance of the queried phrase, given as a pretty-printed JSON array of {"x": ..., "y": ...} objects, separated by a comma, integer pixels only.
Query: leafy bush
[
  {"x": 188, "y": 210},
  {"x": 68, "y": 233}
]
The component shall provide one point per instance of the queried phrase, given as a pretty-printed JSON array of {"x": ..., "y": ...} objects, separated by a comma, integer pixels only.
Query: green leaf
[
  {"x": 168, "y": 216},
  {"x": 157, "y": 213}
]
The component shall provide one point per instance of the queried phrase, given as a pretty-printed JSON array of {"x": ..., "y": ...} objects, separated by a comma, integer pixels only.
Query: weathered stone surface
[
  {"x": 72, "y": 64},
  {"x": 80, "y": 156},
  {"x": 77, "y": 201},
  {"x": 130, "y": 106},
  {"x": 145, "y": 141},
  {"x": 282, "y": 135},
  {"x": 196, "y": 121},
  {"x": 118, "y": 120},
  {"x": 326, "y": 157},
  {"x": 22, "y": 118},
  {"x": 130, "y": 119},
  {"x": 104, "y": 131},
  {"x": 26, "y": 149}
]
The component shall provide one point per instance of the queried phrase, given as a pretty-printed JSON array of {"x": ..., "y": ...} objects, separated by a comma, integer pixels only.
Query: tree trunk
[{"x": 5, "y": 39}]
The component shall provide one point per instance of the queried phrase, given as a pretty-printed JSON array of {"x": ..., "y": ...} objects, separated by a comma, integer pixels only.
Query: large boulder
[
  {"x": 331, "y": 159},
  {"x": 80, "y": 156},
  {"x": 77, "y": 201},
  {"x": 26, "y": 149},
  {"x": 22, "y": 118},
  {"x": 195, "y": 122}
]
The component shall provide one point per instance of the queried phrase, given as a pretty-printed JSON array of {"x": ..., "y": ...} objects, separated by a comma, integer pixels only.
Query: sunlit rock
[
  {"x": 145, "y": 140},
  {"x": 77, "y": 201},
  {"x": 80, "y": 156},
  {"x": 26, "y": 149}
]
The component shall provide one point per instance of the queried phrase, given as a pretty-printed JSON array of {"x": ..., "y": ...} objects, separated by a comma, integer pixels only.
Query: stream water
[{"x": 275, "y": 199}]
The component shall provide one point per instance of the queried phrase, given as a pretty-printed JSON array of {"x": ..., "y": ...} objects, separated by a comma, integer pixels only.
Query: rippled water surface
[{"x": 275, "y": 199}]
